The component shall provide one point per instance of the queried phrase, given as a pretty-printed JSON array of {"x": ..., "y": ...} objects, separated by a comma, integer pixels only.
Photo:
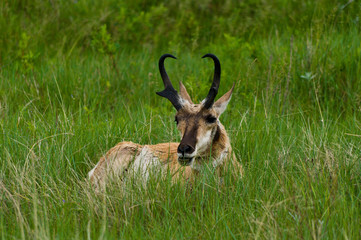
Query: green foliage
[
  {"x": 25, "y": 56},
  {"x": 102, "y": 41},
  {"x": 140, "y": 26},
  {"x": 66, "y": 26},
  {"x": 76, "y": 77}
]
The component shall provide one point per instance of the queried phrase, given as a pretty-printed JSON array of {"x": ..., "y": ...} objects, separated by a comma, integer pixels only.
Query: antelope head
[{"x": 198, "y": 123}]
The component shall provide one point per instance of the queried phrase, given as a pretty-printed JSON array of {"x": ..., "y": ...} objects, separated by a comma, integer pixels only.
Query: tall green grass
[{"x": 294, "y": 118}]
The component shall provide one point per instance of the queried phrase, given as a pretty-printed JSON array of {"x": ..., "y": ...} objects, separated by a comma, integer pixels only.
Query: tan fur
[
  {"x": 118, "y": 159},
  {"x": 115, "y": 162}
]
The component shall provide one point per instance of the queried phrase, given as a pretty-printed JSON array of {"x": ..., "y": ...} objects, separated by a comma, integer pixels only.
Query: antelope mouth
[{"x": 185, "y": 161}]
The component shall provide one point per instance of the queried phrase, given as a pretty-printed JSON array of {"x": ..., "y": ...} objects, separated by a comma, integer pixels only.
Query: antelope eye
[
  {"x": 176, "y": 120},
  {"x": 210, "y": 119}
]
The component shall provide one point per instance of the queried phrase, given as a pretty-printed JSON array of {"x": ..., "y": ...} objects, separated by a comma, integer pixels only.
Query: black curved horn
[
  {"x": 208, "y": 103},
  {"x": 169, "y": 92}
]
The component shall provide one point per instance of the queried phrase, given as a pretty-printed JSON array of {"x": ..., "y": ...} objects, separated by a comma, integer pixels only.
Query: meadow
[{"x": 77, "y": 77}]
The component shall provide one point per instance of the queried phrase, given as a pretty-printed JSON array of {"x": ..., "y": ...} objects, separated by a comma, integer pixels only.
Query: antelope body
[{"x": 204, "y": 138}]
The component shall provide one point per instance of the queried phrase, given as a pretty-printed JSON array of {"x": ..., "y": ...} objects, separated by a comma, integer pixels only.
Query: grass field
[{"x": 77, "y": 78}]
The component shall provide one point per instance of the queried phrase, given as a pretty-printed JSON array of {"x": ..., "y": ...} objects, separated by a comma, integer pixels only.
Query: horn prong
[{"x": 169, "y": 92}]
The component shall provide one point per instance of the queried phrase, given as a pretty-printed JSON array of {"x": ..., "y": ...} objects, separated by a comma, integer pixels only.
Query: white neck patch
[{"x": 220, "y": 160}]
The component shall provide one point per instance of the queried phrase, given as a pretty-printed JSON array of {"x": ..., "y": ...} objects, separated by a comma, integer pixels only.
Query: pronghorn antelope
[{"x": 204, "y": 138}]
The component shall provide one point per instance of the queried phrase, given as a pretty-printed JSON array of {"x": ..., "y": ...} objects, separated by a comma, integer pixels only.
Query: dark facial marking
[
  {"x": 217, "y": 134},
  {"x": 210, "y": 119},
  {"x": 189, "y": 136},
  {"x": 189, "y": 139}
]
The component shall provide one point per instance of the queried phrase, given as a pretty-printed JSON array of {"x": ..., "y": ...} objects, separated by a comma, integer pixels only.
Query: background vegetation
[{"x": 76, "y": 77}]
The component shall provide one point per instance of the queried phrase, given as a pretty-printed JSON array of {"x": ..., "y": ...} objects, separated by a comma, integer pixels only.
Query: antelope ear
[
  {"x": 183, "y": 93},
  {"x": 221, "y": 104}
]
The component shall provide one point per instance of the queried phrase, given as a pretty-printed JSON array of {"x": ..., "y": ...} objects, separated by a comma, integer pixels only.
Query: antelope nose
[{"x": 185, "y": 148}]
